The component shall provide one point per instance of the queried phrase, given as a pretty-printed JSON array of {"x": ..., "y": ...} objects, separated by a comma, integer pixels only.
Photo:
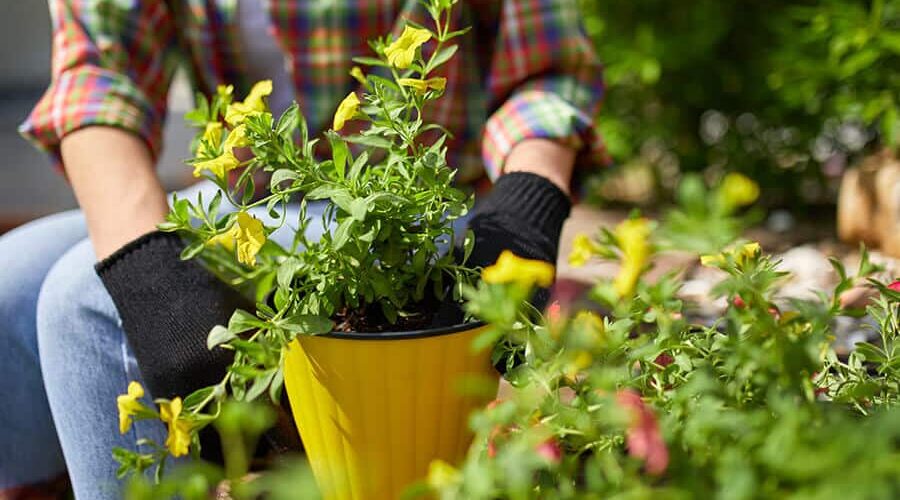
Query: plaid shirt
[{"x": 526, "y": 70}]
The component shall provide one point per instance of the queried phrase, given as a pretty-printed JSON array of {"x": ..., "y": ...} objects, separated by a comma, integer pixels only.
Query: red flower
[
  {"x": 553, "y": 311},
  {"x": 895, "y": 286},
  {"x": 550, "y": 450},
  {"x": 664, "y": 360},
  {"x": 817, "y": 390},
  {"x": 643, "y": 437},
  {"x": 738, "y": 302}
]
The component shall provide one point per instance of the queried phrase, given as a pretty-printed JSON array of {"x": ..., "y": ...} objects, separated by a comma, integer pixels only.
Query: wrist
[{"x": 547, "y": 158}]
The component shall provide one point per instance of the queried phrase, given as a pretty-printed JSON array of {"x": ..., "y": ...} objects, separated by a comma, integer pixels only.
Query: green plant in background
[
  {"x": 705, "y": 220},
  {"x": 780, "y": 91},
  {"x": 378, "y": 264},
  {"x": 642, "y": 403},
  {"x": 840, "y": 61}
]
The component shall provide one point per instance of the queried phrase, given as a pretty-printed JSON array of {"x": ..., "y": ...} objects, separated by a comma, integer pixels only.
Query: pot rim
[{"x": 409, "y": 335}]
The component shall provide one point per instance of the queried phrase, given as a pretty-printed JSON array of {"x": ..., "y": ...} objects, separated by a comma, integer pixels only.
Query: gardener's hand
[
  {"x": 524, "y": 214},
  {"x": 167, "y": 307},
  {"x": 525, "y": 211}
]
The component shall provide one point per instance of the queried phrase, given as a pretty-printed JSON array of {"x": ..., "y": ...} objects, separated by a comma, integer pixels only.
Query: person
[{"x": 520, "y": 98}]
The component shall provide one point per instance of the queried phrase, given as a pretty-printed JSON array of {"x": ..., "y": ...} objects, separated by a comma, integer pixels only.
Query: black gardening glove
[
  {"x": 168, "y": 306},
  {"x": 523, "y": 213}
]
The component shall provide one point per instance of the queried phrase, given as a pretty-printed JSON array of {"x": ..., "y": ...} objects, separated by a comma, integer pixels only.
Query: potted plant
[{"x": 345, "y": 321}]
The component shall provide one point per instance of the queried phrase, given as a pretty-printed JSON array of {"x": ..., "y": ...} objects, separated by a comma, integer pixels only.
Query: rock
[{"x": 810, "y": 271}]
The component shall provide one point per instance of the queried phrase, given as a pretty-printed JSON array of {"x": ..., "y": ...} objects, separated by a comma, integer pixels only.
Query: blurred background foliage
[{"x": 789, "y": 92}]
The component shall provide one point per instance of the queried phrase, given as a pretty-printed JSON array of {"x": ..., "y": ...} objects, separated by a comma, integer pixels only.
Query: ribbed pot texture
[{"x": 373, "y": 413}]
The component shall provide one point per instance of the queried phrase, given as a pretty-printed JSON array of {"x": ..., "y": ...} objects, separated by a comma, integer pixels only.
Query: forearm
[
  {"x": 549, "y": 159},
  {"x": 115, "y": 183}
]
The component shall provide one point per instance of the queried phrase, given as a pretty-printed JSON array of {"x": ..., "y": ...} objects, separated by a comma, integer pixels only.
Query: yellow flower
[
  {"x": 591, "y": 322},
  {"x": 346, "y": 110},
  {"x": 209, "y": 143},
  {"x": 401, "y": 52},
  {"x": 512, "y": 269},
  {"x": 254, "y": 104},
  {"x": 633, "y": 236},
  {"x": 738, "y": 255},
  {"x": 738, "y": 190},
  {"x": 583, "y": 249},
  {"x": 129, "y": 405},
  {"x": 358, "y": 75},
  {"x": 179, "y": 440},
  {"x": 442, "y": 475},
  {"x": 219, "y": 166},
  {"x": 237, "y": 138},
  {"x": 436, "y": 83},
  {"x": 225, "y": 92},
  {"x": 249, "y": 235},
  {"x": 582, "y": 360}
]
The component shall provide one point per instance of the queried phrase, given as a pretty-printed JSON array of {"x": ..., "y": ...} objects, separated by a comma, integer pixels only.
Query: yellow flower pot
[{"x": 374, "y": 410}]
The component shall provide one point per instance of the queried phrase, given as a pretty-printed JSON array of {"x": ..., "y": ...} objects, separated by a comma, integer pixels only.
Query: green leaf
[
  {"x": 358, "y": 165},
  {"x": 358, "y": 209},
  {"x": 282, "y": 175},
  {"x": 192, "y": 250},
  {"x": 219, "y": 335},
  {"x": 286, "y": 272},
  {"x": 468, "y": 245},
  {"x": 307, "y": 324},
  {"x": 288, "y": 121},
  {"x": 276, "y": 385},
  {"x": 260, "y": 385},
  {"x": 443, "y": 56},
  {"x": 371, "y": 61},
  {"x": 242, "y": 321},
  {"x": 342, "y": 233},
  {"x": 390, "y": 312},
  {"x": 339, "y": 153},
  {"x": 370, "y": 140},
  {"x": 197, "y": 397}
]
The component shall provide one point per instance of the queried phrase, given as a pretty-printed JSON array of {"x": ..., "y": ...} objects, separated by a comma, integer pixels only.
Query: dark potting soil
[{"x": 373, "y": 320}]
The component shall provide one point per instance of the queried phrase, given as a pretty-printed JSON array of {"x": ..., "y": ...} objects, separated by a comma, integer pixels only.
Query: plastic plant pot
[{"x": 374, "y": 409}]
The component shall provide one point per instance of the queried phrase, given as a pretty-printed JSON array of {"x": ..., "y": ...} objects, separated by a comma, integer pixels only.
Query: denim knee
[
  {"x": 29, "y": 450},
  {"x": 86, "y": 364},
  {"x": 28, "y": 252}
]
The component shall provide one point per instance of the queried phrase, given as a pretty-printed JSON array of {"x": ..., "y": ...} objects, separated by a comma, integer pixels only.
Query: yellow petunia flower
[
  {"x": 225, "y": 92},
  {"x": 582, "y": 361},
  {"x": 219, "y": 166},
  {"x": 129, "y": 405},
  {"x": 442, "y": 475},
  {"x": 436, "y": 83},
  {"x": 738, "y": 255},
  {"x": 402, "y": 51},
  {"x": 247, "y": 233},
  {"x": 237, "y": 138},
  {"x": 583, "y": 249},
  {"x": 510, "y": 268},
  {"x": 346, "y": 110},
  {"x": 357, "y": 74},
  {"x": 254, "y": 104},
  {"x": 737, "y": 190},
  {"x": 179, "y": 440},
  {"x": 633, "y": 236},
  {"x": 212, "y": 136}
]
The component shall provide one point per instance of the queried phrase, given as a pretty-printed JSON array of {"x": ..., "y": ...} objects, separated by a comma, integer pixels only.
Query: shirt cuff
[
  {"x": 532, "y": 114},
  {"x": 87, "y": 96}
]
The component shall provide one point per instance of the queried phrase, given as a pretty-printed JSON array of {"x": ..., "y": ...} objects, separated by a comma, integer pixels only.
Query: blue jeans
[{"x": 64, "y": 357}]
